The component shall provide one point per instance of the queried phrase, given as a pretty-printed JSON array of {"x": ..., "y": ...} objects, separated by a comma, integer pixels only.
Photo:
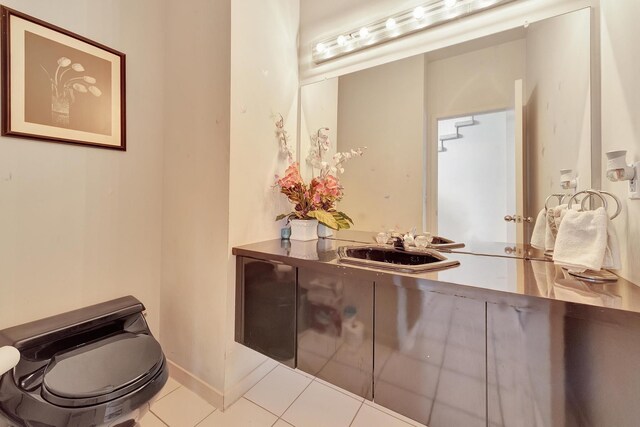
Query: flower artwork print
[{"x": 65, "y": 87}]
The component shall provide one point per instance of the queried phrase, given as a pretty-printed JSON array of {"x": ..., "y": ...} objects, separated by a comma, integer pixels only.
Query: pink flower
[
  {"x": 332, "y": 186},
  {"x": 326, "y": 191},
  {"x": 291, "y": 176}
]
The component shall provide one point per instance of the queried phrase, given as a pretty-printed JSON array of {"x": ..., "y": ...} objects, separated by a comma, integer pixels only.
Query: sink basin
[
  {"x": 390, "y": 258},
  {"x": 443, "y": 243}
]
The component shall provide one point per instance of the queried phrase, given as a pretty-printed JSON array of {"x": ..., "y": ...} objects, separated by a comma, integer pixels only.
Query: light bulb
[
  {"x": 418, "y": 12},
  {"x": 364, "y": 32},
  {"x": 321, "y": 48},
  {"x": 391, "y": 24},
  {"x": 342, "y": 40},
  {"x": 450, "y": 3}
]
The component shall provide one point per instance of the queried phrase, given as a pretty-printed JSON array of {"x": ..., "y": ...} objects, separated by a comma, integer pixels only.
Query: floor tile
[
  {"x": 322, "y": 406},
  {"x": 282, "y": 423},
  {"x": 182, "y": 408},
  {"x": 371, "y": 417},
  {"x": 298, "y": 371},
  {"x": 277, "y": 391},
  {"x": 347, "y": 378},
  {"x": 151, "y": 420},
  {"x": 393, "y": 414},
  {"x": 414, "y": 405},
  {"x": 243, "y": 413},
  {"x": 170, "y": 386}
]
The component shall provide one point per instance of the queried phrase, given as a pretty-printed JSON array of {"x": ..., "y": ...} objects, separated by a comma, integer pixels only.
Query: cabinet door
[
  {"x": 430, "y": 362},
  {"x": 266, "y": 308},
  {"x": 554, "y": 364},
  {"x": 335, "y": 329}
]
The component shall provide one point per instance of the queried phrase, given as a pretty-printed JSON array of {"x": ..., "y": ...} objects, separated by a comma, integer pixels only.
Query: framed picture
[{"x": 59, "y": 86}]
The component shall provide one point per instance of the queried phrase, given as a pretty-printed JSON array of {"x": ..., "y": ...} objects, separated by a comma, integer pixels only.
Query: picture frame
[{"x": 59, "y": 86}]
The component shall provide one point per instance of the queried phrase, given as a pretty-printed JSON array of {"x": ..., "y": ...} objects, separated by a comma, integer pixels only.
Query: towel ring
[
  {"x": 560, "y": 198},
  {"x": 618, "y": 203},
  {"x": 589, "y": 194},
  {"x": 593, "y": 193}
]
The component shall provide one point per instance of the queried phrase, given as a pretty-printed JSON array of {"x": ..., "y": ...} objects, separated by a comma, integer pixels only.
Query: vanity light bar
[{"x": 419, "y": 18}]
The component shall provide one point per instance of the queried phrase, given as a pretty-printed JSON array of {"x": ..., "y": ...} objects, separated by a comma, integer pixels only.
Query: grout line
[
  {"x": 257, "y": 404},
  {"x": 159, "y": 419},
  {"x": 208, "y": 415},
  {"x": 356, "y": 414},
  {"x": 259, "y": 381},
  {"x": 294, "y": 401},
  {"x": 168, "y": 394}
]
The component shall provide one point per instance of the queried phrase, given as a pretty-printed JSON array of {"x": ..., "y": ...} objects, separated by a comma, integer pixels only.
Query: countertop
[{"x": 505, "y": 277}]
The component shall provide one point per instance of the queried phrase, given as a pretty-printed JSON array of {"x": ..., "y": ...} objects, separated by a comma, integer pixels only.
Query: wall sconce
[
  {"x": 568, "y": 180},
  {"x": 426, "y": 15},
  {"x": 619, "y": 170}
]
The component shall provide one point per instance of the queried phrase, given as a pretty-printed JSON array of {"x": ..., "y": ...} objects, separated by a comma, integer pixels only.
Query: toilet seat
[
  {"x": 101, "y": 371},
  {"x": 95, "y": 366}
]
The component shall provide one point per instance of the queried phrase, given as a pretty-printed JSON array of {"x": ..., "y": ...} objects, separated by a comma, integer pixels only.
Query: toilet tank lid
[{"x": 104, "y": 366}]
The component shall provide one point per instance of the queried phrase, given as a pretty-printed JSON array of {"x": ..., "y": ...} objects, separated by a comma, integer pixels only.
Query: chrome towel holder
[{"x": 600, "y": 194}]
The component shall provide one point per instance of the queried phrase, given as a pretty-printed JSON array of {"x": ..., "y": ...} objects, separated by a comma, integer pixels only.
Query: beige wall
[
  {"x": 382, "y": 108},
  {"x": 82, "y": 225},
  {"x": 621, "y": 115},
  {"x": 264, "y": 83},
  {"x": 195, "y": 204},
  {"x": 318, "y": 109},
  {"x": 558, "y": 100}
]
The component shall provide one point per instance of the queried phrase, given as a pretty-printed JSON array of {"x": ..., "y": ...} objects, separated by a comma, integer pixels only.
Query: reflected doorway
[{"x": 476, "y": 176}]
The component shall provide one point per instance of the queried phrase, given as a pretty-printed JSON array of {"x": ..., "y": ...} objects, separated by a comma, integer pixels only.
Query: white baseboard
[{"x": 196, "y": 385}]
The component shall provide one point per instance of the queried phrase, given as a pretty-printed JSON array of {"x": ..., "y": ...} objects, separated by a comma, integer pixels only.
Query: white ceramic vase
[
  {"x": 304, "y": 229},
  {"x": 324, "y": 231}
]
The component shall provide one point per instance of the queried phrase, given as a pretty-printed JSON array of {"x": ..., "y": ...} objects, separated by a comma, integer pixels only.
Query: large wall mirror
[{"x": 461, "y": 137}]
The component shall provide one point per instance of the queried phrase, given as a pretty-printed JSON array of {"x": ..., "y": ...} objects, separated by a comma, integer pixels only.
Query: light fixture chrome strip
[{"x": 419, "y": 18}]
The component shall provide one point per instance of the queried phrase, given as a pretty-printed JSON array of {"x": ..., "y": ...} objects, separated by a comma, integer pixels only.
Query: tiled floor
[{"x": 283, "y": 398}]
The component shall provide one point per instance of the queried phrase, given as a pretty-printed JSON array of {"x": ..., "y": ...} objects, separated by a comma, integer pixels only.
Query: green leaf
[
  {"x": 282, "y": 216},
  {"x": 345, "y": 216},
  {"x": 325, "y": 218},
  {"x": 342, "y": 222}
]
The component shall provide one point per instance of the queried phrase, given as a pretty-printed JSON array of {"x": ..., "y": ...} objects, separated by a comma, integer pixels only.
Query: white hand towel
[
  {"x": 539, "y": 230},
  {"x": 554, "y": 218},
  {"x": 612, "y": 252},
  {"x": 582, "y": 240}
]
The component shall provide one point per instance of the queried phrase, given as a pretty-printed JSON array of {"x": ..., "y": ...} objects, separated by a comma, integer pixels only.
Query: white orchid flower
[
  {"x": 80, "y": 88},
  {"x": 89, "y": 80},
  {"x": 95, "y": 91},
  {"x": 64, "y": 62},
  {"x": 77, "y": 67}
]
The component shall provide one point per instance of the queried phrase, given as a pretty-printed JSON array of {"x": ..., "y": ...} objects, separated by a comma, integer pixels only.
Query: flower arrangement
[{"x": 318, "y": 199}]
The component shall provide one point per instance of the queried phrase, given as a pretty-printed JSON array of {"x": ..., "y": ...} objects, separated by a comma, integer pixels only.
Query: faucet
[{"x": 398, "y": 242}]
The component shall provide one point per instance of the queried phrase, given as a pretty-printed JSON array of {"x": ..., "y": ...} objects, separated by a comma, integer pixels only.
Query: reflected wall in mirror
[{"x": 461, "y": 137}]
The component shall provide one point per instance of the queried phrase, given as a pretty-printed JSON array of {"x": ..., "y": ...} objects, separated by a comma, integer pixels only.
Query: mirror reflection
[{"x": 465, "y": 142}]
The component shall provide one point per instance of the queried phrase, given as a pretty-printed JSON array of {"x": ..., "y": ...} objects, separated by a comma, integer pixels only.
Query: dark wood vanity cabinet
[
  {"x": 556, "y": 364},
  {"x": 266, "y": 308},
  {"x": 442, "y": 355},
  {"x": 335, "y": 329},
  {"x": 430, "y": 360}
]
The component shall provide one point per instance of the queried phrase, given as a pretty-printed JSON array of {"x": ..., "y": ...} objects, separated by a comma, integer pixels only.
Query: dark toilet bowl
[{"x": 97, "y": 366}]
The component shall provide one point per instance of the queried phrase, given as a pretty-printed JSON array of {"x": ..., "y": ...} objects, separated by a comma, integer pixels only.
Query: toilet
[{"x": 96, "y": 366}]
